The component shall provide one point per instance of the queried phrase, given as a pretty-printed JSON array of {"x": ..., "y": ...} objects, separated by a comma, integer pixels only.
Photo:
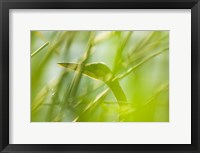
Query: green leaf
[{"x": 99, "y": 71}]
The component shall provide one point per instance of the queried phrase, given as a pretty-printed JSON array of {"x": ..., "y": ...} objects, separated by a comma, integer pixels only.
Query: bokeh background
[{"x": 138, "y": 60}]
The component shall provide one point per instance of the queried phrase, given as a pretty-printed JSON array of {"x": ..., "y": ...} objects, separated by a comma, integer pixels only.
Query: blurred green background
[{"x": 99, "y": 76}]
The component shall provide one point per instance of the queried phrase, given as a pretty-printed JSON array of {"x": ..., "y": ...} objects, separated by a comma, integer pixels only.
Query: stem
[
  {"x": 39, "y": 49},
  {"x": 76, "y": 80},
  {"x": 138, "y": 65},
  {"x": 80, "y": 68},
  {"x": 117, "y": 91},
  {"x": 120, "y": 96},
  {"x": 119, "y": 52}
]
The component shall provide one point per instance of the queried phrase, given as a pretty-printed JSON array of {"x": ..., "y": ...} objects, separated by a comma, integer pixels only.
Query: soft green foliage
[{"x": 99, "y": 76}]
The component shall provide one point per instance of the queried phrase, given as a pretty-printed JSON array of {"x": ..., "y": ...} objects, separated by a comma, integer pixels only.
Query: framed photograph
[{"x": 99, "y": 76}]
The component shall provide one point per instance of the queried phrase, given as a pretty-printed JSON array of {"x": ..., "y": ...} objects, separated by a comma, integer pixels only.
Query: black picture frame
[{"x": 5, "y": 5}]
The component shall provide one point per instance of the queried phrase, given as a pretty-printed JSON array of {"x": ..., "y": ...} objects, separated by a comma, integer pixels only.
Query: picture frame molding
[{"x": 5, "y": 5}]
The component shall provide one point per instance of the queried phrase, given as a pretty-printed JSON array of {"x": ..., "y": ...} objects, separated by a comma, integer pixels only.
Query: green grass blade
[
  {"x": 139, "y": 64},
  {"x": 119, "y": 52},
  {"x": 39, "y": 49}
]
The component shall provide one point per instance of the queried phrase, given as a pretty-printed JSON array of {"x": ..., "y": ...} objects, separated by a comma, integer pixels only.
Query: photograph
[{"x": 99, "y": 76}]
